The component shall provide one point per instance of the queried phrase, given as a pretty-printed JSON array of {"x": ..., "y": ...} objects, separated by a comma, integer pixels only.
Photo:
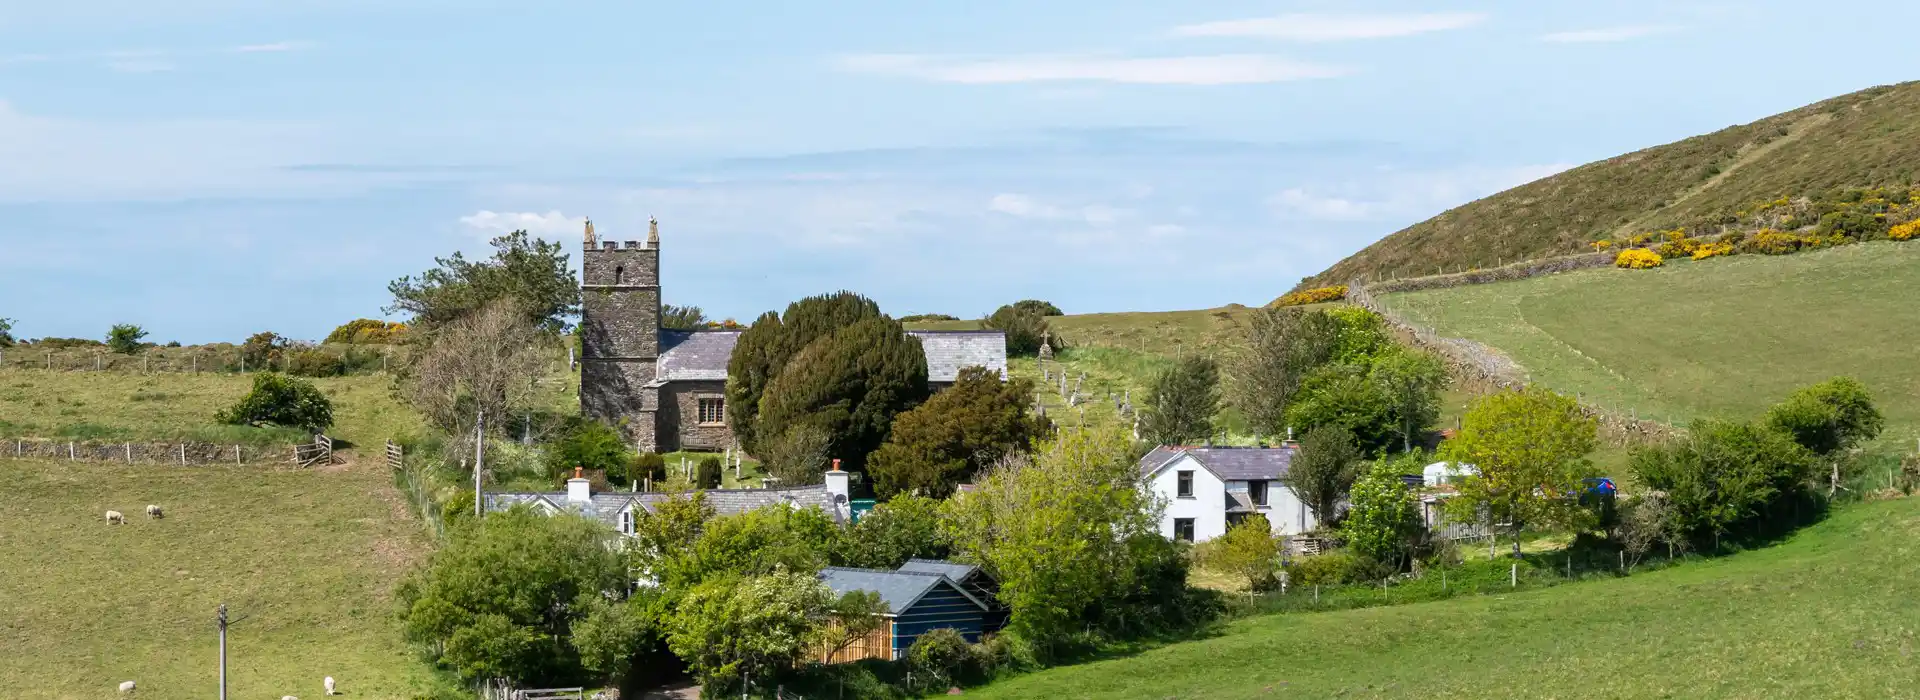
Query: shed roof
[
  {"x": 1228, "y": 463},
  {"x": 951, "y": 569},
  {"x": 898, "y": 589}
]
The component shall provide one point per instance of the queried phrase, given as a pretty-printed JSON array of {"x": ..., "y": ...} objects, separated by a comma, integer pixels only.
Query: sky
[{"x": 208, "y": 169}]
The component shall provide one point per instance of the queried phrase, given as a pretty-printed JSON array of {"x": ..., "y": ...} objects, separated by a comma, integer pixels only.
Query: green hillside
[
  {"x": 1867, "y": 138},
  {"x": 179, "y": 405},
  {"x": 1828, "y": 614},
  {"x": 305, "y": 560},
  {"x": 1723, "y": 337}
]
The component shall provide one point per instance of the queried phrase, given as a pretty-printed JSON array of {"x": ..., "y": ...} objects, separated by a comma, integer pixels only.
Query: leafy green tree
[
  {"x": 797, "y": 456},
  {"x": 6, "y": 332},
  {"x": 905, "y": 527},
  {"x": 956, "y": 434},
  {"x": 277, "y": 399},
  {"x": 1024, "y": 329},
  {"x": 262, "y": 349},
  {"x": 849, "y": 384},
  {"x": 664, "y": 538},
  {"x": 684, "y": 318},
  {"x": 1829, "y": 417},
  {"x": 941, "y": 654},
  {"x": 1182, "y": 402},
  {"x": 499, "y": 600},
  {"x": 1384, "y": 517},
  {"x": 532, "y": 274},
  {"x": 1725, "y": 478},
  {"x": 1530, "y": 449},
  {"x": 124, "y": 338},
  {"x": 766, "y": 348},
  {"x": 1345, "y": 395},
  {"x": 1037, "y": 307},
  {"x": 1323, "y": 470},
  {"x": 1283, "y": 347},
  {"x": 1363, "y": 334},
  {"x": 1062, "y": 532},
  {"x": 744, "y": 544},
  {"x": 611, "y": 636},
  {"x": 592, "y": 445},
  {"x": 730, "y": 630},
  {"x": 1410, "y": 381},
  {"x": 853, "y": 617},
  {"x": 1248, "y": 551}
]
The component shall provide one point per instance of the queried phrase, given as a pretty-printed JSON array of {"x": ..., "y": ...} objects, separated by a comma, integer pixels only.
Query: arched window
[{"x": 619, "y": 274}]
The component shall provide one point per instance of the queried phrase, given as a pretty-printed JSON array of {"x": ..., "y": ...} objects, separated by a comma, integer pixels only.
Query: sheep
[
  {"x": 126, "y": 687},
  {"x": 288, "y": 697},
  {"x": 329, "y": 684},
  {"x": 155, "y": 513},
  {"x": 115, "y": 517}
]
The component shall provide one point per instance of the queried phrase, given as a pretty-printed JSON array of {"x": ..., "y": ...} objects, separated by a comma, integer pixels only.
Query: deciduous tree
[
  {"x": 1323, "y": 470},
  {"x": 479, "y": 367},
  {"x": 1182, "y": 402},
  {"x": 1384, "y": 516},
  {"x": 730, "y": 630},
  {"x": 1248, "y": 551},
  {"x": 1411, "y": 381},
  {"x": 534, "y": 275},
  {"x": 124, "y": 338},
  {"x": 960, "y": 431},
  {"x": 1283, "y": 347},
  {"x": 1530, "y": 449},
  {"x": 906, "y": 527}
]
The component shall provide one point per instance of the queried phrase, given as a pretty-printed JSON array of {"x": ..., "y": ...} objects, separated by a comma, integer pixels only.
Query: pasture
[
  {"x": 305, "y": 560},
  {"x": 1829, "y": 613}
]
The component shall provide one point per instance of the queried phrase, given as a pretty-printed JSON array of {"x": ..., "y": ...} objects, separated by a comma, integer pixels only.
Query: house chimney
[
  {"x": 838, "y": 489},
  {"x": 579, "y": 490}
]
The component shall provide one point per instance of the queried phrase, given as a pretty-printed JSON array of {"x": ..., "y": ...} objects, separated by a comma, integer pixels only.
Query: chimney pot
[{"x": 836, "y": 464}]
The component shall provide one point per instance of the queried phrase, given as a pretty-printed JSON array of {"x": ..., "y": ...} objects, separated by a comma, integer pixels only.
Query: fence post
[
  {"x": 129, "y": 453},
  {"x": 183, "y": 454},
  {"x": 1513, "y": 576}
]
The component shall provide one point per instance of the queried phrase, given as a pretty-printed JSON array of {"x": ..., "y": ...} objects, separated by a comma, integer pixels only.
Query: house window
[
  {"x": 1257, "y": 492},
  {"x": 1185, "y": 489},
  {"x": 1183, "y": 529},
  {"x": 712, "y": 410}
]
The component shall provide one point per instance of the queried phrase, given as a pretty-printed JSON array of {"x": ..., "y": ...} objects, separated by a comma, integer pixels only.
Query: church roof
[{"x": 703, "y": 355}]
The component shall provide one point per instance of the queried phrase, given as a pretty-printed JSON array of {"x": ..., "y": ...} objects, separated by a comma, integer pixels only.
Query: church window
[
  {"x": 712, "y": 409},
  {"x": 619, "y": 274}
]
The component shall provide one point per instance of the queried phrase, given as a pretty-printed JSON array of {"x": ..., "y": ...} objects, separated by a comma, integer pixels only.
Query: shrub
[
  {"x": 1601, "y": 245},
  {"x": 1317, "y": 295},
  {"x": 589, "y": 444},
  {"x": 1712, "y": 250},
  {"x": 927, "y": 318},
  {"x": 277, "y": 399},
  {"x": 1770, "y": 242},
  {"x": 1038, "y": 307},
  {"x": 707, "y": 474},
  {"x": 261, "y": 349},
  {"x": 367, "y": 331},
  {"x": 941, "y": 653},
  {"x": 1332, "y": 568},
  {"x": 125, "y": 338},
  {"x": 315, "y": 363},
  {"x": 1248, "y": 550},
  {"x": 950, "y": 438},
  {"x": 1024, "y": 329},
  {"x": 1638, "y": 259},
  {"x": 1905, "y": 232},
  {"x": 647, "y": 465},
  {"x": 1678, "y": 248}
]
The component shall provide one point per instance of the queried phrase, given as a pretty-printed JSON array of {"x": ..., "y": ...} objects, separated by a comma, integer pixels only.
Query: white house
[{"x": 1209, "y": 488}]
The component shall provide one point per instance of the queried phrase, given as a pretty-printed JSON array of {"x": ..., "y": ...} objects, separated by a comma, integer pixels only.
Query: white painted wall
[{"x": 1208, "y": 507}]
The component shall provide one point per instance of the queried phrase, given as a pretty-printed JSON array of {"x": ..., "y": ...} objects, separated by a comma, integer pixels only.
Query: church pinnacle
[{"x": 653, "y": 232}]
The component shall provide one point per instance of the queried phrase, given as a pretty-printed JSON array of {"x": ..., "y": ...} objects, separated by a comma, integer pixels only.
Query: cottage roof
[
  {"x": 606, "y": 507},
  {"x": 898, "y": 589},
  {"x": 695, "y": 355},
  {"x": 951, "y": 569},
  {"x": 948, "y": 352},
  {"x": 1228, "y": 463},
  {"x": 703, "y": 355}
]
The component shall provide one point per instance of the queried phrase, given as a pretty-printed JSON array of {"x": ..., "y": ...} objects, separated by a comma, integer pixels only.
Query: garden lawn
[
  {"x": 1829, "y": 613},
  {"x": 306, "y": 561},
  {"x": 1725, "y": 337}
]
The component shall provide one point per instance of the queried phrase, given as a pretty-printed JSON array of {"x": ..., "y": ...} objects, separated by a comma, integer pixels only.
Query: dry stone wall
[{"x": 175, "y": 453}]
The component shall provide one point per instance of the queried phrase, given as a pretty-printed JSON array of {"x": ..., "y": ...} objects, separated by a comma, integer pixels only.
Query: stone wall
[
  {"x": 620, "y": 338},
  {"x": 1504, "y": 273},
  {"x": 680, "y": 427},
  {"x": 175, "y": 453}
]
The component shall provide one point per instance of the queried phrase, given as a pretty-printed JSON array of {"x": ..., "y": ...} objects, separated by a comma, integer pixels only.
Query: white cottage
[{"x": 1209, "y": 488}]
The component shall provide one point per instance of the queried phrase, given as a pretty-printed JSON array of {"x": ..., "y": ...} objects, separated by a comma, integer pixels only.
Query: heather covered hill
[{"x": 1869, "y": 138}]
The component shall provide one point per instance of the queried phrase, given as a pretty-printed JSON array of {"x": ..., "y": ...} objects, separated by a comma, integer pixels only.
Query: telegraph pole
[
  {"x": 223, "y": 651},
  {"x": 479, "y": 453}
]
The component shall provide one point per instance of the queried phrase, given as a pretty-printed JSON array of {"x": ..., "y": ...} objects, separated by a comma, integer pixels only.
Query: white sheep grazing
[
  {"x": 126, "y": 687},
  {"x": 288, "y": 697},
  {"x": 329, "y": 684},
  {"x": 114, "y": 517},
  {"x": 155, "y": 513}
]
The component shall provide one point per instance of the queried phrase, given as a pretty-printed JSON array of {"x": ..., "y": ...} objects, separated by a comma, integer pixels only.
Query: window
[
  {"x": 712, "y": 410},
  {"x": 619, "y": 274},
  {"x": 1185, "y": 489},
  {"x": 1183, "y": 529},
  {"x": 1257, "y": 492}
]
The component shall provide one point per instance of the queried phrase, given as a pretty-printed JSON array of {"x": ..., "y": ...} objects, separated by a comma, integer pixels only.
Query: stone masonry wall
[
  {"x": 175, "y": 453},
  {"x": 680, "y": 427},
  {"x": 620, "y": 337}
]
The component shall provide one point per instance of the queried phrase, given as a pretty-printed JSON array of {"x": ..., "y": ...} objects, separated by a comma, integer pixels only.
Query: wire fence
[{"x": 218, "y": 358}]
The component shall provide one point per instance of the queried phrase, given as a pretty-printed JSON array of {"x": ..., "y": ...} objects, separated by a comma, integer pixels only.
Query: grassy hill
[
  {"x": 1867, "y": 138},
  {"x": 306, "y": 560},
  {"x": 1723, "y": 337},
  {"x": 1827, "y": 614}
]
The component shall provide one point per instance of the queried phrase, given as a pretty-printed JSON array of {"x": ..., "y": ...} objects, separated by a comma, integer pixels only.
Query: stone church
[{"x": 667, "y": 388}]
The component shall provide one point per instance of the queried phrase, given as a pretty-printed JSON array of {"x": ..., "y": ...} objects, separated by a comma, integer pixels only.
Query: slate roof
[
  {"x": 606, "y": 506},
  {"x": 898, "y": 589},
  {"x": 953, "y": 570},
  {"x": 1228, "y": 463},
  {"x": 703, "y": 355},
  {"x": 695, "y": 355},
  {"x": 948, "y": 352}
]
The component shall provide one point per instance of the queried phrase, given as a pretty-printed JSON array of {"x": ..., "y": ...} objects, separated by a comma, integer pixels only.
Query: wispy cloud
[
  {"x": 553, "y": 223},
  {"x": 1333, "y": 27},
  {"x": 1607, "y": 34},
  {"x": 1220, "y": 69}
]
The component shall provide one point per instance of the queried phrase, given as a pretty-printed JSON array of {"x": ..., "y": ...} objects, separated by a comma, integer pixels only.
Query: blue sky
[{"x": 212, "y": 168}]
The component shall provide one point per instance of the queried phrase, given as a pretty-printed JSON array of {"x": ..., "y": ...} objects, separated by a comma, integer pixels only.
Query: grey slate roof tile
[
  {"x": 1228, "y": 463},
  {"x": 953, "y": 570},
  {"x": 948, "y": 352},
  {"x": 703, "y": 355},
  {"x": 606, "y": 506},
  {"x": 898, "y": 589},
  {"x": 695, "y": 355}
]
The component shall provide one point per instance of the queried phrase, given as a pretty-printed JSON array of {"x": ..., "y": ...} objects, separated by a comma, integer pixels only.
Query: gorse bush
[
  {"x": 1905, "y": 232},
  {"x": 367, "y": 331},
  {"x": 315, "y": 363},
  {"x": 1317, "y": 295},
  {"x": 1712, "y": 250},
  {"x": 277, "y": 399},
  {"x": 1638, "y": 259}
]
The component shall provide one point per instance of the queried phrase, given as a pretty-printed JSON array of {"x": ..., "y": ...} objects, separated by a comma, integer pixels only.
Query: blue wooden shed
[{"x": 917, "y": 602}]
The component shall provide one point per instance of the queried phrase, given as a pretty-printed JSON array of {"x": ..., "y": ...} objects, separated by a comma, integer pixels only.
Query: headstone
[{"x": 1046, "y": 345}]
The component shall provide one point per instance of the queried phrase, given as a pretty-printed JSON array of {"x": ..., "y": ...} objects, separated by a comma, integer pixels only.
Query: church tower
[{"x": 620, "y": 333}]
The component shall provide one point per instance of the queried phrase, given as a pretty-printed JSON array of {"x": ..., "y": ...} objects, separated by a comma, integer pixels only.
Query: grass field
[
  {"x": 1829, "y": 614},
  {"x": 1726, "y": 337},
  {"x": 1165, "y": 333},
  {"x": 305, "y": 560}
]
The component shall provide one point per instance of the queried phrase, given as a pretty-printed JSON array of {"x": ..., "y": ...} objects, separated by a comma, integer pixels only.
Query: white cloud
[
  {"x": 1333, "y": 27},
  {"x": 1607, "y": 34},
  {"x": 1401, "y": 196},
  {"x": 1221, "y": 69},
  {"x": 1321, "y": 207},
  {"x": 1022, "y": 206},
  {"x": 548, "y": 225},
  {"x": 278, "y": 46}
]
